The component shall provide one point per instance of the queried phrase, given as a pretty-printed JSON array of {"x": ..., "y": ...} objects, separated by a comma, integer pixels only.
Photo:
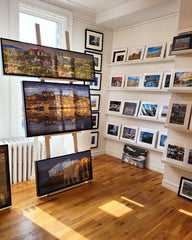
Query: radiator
[{"x": 22, "y": 154}]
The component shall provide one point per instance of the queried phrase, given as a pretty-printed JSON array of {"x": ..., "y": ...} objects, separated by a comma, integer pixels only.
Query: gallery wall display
[
  {"x": 61, "y": 172},
  {"x": 5, "y": 189},
  {"x": 53, "y": 108},
  {"x": 93, "y": 40},
  {"x": 97, "y": 60},
  {"x": 94, "y": 139},
  {"x": 25, "y": 59},
  {"x": 185, "y": 188}
]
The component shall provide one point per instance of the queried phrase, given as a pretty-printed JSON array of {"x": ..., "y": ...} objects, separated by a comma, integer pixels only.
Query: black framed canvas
[
  {"x": 95, "y": 102},
  {"x": 5, "y": 190},
  {"x": 96, "y": 85},
  {"x": 25, "y": 59},
  {"x": 97, "y": 60},
  {"x": 95, "y": 120},
  {"x": 53, "y": 108},
  {"x": 182, "y": 42},
  {"x": 93, "y": 40},
  {"x": 54, "y": 174},
  {"x": 94, "y": 139},
  {"x": 185, "y": 188}
]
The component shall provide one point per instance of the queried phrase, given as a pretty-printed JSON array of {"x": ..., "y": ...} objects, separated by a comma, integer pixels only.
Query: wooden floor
[{"x": 122, "y": 202}]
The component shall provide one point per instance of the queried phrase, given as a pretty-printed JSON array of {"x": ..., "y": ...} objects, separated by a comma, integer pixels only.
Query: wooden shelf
[
  {"x": 178, "y": 129},
  {"x": 134, "y": 117},
  {"x": 182, "y": 52},
  {"x": 180, "y": 90},
  {"x": 134, "y": 144},
  {"x": 156, "y": 90},
  {"x": 143, "y": 61},
  {"x": 176, "y": 165}
]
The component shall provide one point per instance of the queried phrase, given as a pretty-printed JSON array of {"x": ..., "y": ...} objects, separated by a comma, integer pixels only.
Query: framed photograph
[
  {"x": 154, "y": 51},
  {"x": 169, "y": 53},
  {"x": 178, "y": 113},
  {"x": 94, "y": 139},
  {"x": 162, "y": 137},
  {"x": 5, "y": 189},
  {"x": 95, "y": 120},
  {"x": 96, "y": 86},
  {"x": 134, "y": 155},
  {"x": 113, "y": 130},
  {"x": 93, "y": 40},
  {"x": 129, "y": 133},
  {"x": 182, "y": 42},
  {"x": 54, "y": 174},
  {"x": 114, "y": 106},
  {"x": 188, "y": 160},
  {"x": 147, "y": 137},
  {"x": 133, "y": 80},
  {"x": 166, "y": 80},
  {"x": 152, "y": 80},
  {"x": 95, "y": 102},
  {"x": 135, "y": 53},
  {"x": 175, "y": 152},
  {"x": 130, "y": 108},
  {"x": 185, "y": 188},
  {"x": 117, "y": 81},
  {"x": 53, "y": 108},
  {"x": 97, "y": 60},
  {"x": 148, "y": 110},
  {"x": 181, "y": 79},
  {"x": 40, "y": 61},
  {"x": 163, "y": 110},
  {"x": 119, "y": 55}
]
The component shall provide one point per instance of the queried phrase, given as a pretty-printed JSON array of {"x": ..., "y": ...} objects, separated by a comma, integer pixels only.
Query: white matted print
[
  {"x": 97, "y": 60},
  {"x": 178, "y": 113},
  {"x": 152, "y": 80},
  {"x": 97, "y": 84},
  {"x": 133, "y": 80},
  {"x": 148, "y": 110},
  {"x": 114, "y": 106},
  {"x": 93, "y": 40},
  {"x": 117, "y": 81},
  {"x": 188, "y": 159},
  {"x": 113, "y": 130},
  {"x": 95, "y": 102},
  {"x": 155, "y": 51},
  {"x": 147, "y": 137},
  {"x": 166, "y": 80},
  {"x": 135, "y": 53},
  {"x": 119, "y": 55},
  {"x": 163, "y": 110},
  {"x": 129, "y": 133},
  {"x": 181, "y": 78},
  {"x": 169, "y": 50},
  {"x": 130, "y": 108},
  {"x": 94, "y": 139},
  {"x": 162, "y": 137}
]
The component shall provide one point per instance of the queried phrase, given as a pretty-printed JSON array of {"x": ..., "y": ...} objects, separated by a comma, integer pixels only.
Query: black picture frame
[
  {"x": 5, "y": 189},
  {"x": 96, "y": 85},
  {"x": 94, "y": 139},
  {"x": 95, "y": 120},
  {"x": 185, "y": 188},
  {"x": 182, "y": 42},
  {"x": 58, "y": 173},
  {"x": 94, "y": 40},
  {"x": 26, "y": 59},
  {"x": 53, "y": 108},
  {"x": 95, "y": 102},
  {"x": 97, "y": 60}
]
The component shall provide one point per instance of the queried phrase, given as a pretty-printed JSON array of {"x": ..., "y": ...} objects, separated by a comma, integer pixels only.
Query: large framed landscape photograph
[
  {"x": 52, "y": 108},
  {"x": 25, "y": 59},
  {"x": 61, "y": 172},
  {"x": 5, "y": 189}
]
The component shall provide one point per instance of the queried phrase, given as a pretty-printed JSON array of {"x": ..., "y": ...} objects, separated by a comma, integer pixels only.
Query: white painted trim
[{"x": 171, "y": 186}]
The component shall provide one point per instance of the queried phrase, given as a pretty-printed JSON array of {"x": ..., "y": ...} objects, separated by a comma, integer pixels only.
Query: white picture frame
[
  {"x": 130, "y": 107},
  {"x": 135, "y": 53},
  {"x": 129, "y": 133},
  {"x": 132, "y": 81},
  {"x": 117, "y": 81},
  {"x": 162, "y": 138},
  {"x": 178, "y": 113},
  {"x": 163, "y": 110},
  {"x": 169, "y": 50},
  {"x": 113, "y": 130},
  {"x": 155, "y": 51},
  {"x": 95, "y": 102},
  {"x": 147, "y": 137},
  {"x": 119, "y": 55},
  {"x": 175, "y": 152},
  {"x": 115, "y": 106},
  {"x": 180, "y": 79},
  {"x": 148, "y": 110},
  {"x": 166, "y": 82},
  {"x": 188, "y": 156},
  {"x": 152, "y": 80}
]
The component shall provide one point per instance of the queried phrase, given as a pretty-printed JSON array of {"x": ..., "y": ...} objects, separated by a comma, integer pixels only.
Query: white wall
[{"x": 145, "y": 33}]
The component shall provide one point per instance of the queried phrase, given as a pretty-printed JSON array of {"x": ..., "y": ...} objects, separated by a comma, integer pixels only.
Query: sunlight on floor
[
  {"x": 51, "y": 225},
  {"x": 185, "y": 212},
  {"x": 131, "y": 201},
  {"x": 115, "y": 208}
]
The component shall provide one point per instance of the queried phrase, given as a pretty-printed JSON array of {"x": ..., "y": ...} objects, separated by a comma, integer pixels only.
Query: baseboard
[
  {"x": 113, "y": 154},
  {"x": 97, "y": 153},
  {"x": 171, "y": 186}
]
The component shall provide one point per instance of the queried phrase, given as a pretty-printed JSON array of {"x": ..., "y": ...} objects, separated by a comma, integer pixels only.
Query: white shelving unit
[
  {"x": 161, "y": 90},
  {"x": 176, "y": 165}
]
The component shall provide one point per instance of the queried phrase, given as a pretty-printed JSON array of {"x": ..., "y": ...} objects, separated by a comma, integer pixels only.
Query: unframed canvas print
[{"x": 185, "y": 188}]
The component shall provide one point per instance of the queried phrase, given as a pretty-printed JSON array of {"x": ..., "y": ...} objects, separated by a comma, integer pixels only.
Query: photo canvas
[{"x": 53, "y": 108}]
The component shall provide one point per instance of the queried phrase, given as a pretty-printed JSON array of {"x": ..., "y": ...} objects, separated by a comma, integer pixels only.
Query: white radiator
[{"x": 22, "y": 154}]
